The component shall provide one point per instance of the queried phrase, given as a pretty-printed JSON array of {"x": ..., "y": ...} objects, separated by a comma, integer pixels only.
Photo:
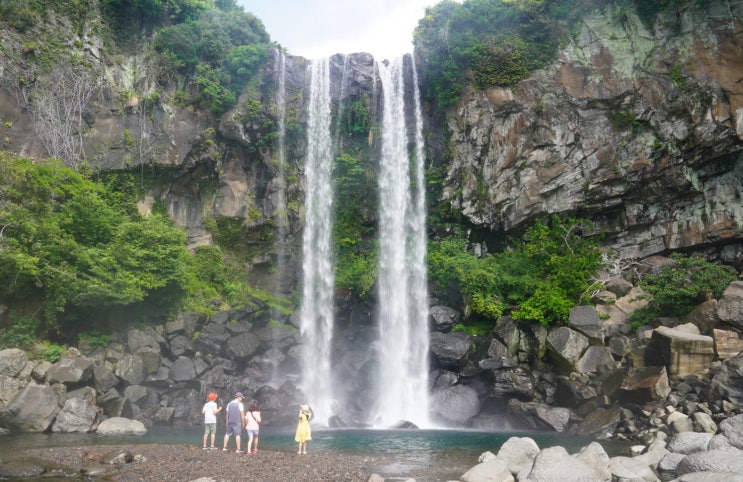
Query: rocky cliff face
[
  {"x": 640, "y": 131},
  {"x": 200, "y": 166}
]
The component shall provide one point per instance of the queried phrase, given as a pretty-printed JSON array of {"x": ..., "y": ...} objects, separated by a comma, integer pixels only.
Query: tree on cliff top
[{"x": 488, "y": 43}]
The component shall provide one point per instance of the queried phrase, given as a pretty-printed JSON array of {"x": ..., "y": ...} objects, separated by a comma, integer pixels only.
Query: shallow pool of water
[{"x": 411, "y": 450}]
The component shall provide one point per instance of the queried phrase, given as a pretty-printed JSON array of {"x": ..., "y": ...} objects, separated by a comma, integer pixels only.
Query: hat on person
[
  {"x": 240, "y": 395},
  {"x": 212, "y": 397}
]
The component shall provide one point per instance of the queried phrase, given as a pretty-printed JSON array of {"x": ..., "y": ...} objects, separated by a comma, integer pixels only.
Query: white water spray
[
  {"x": 281, "y": 214},
  {"x": 403, "y": 297},
  {"x": 318, "y": 277}
]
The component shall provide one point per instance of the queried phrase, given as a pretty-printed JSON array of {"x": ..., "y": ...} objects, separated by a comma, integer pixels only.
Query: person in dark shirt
[{"x": 235, "y": 414}]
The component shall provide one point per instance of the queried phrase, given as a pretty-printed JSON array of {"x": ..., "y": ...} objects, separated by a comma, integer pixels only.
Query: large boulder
[
  {"x": 138, "y": 339},
  {"x": 151, "y": 358},
  {"x": 450, "y": 350},
  {"x": 730, "y": 305},
  {"x": 599, "y": 423},
  {"x": 618, "y": 285},
  {"x": 181, "y": 345},
  {"x": 244, "y": 345},
  {"x": 456, "y": 404},
  {"x": 183, "y": 324},
  {"x": 489, "y": 471},
  {"x": 507, "y": 331},
  {"x": 71, "y": 370},
  {"x": 644, "y": 384},
  {"x": 509, "y": 379},
  {"x": 131, "y": 369},
  {"x": 728, "y": 381},
  {"x": 115, "y": 405},
  {"x": 565, "y": 346},
  {"x": 727, "y": 461},
  {"x": 681, "y": 351},
  {"x": 689, "y": 442},
  {"x": 585, "y": 319},
  {"x": 704, "y": 315},
  {"x": 518, "y": 453},
  {"x": 631, "y": 469},
  {"x": 32, "y": 410},
  {"x": 443, "y": 318},
  {"x": 727, "y": 343},
  {"x": 182, "y": 369},
  {"x": 277, "y": 336},
  {"x": 593, "y": 358},
  {"x": 104, "y": 378},
  {"x": 554, "y": 464},
  {"x": 9, "y": 388},
  {"x": 12, "y": 361},
  {"x": 573, "y": 391},
  {"x": 77, "y": 415},
  {"x": 596, "y": 458},
  {"x": 539, "y": 416},
  {"x": 212, "y": 338},
  {"x": 121, "y": 426},
  {"x": 732, "y": 428}
]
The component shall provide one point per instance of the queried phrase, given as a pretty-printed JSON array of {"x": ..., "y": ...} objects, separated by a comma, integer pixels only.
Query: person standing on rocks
[
  {"x": 252, "y": 426},
  {"x": 235, "y": 417},
  {"x": 304, "y": 433},
  {"x": 210, "y": 412}
]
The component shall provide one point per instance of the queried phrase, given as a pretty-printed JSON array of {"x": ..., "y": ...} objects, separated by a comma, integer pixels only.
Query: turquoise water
[{"x": 410, "y": 449}]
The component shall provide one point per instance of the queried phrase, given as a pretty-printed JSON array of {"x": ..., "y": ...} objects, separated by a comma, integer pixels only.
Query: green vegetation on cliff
[
  {"x": 489, "y": 43},
  {"x": 354, "y": 232},
  {"x": 66, "y": 243},
  {"x": 546, "y": 273},
  {"x": 681, "y": 286},
  {"x": 81, "y": 250},
  {"x": 209, "y": 49},
  {"x": 220, "y": 51}
]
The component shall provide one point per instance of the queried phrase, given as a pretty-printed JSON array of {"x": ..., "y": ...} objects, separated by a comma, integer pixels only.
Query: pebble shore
[{"x": 185, "y": 463}]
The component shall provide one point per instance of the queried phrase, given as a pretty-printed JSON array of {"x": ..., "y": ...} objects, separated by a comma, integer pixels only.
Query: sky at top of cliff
[{"x": 320, "y": 28}]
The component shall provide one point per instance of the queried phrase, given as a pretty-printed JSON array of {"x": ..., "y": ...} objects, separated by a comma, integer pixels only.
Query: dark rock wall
[{"x": 640, "y": 131}]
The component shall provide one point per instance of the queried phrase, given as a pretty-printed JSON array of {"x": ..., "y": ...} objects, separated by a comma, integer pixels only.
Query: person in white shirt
[{"x": 210, "y": 412}]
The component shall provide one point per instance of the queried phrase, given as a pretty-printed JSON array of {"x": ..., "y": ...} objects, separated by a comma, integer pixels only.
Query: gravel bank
[{"x": 185, "y": 463}]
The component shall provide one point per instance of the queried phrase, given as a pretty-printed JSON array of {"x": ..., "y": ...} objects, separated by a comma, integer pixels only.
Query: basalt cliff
[{"x": 639, "y": 130}]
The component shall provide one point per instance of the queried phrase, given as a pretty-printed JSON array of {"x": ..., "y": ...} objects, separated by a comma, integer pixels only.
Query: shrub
[
  {"x": 546, "y": 273},
  {"x": 680, "y": 287},
  {"x": 53, "y": 352},
  {"x": 67, "y": 241},
  {"x": 21, "y": 332}
]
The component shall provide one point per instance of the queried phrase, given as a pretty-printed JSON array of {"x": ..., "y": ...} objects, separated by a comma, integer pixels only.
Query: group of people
[{"x": 237, "y": 418}]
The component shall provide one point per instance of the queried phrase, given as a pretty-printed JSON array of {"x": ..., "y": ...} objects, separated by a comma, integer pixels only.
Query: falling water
[
  {"x": 281, "y": 215},
  {"x": 317, "y": 302},
  {"x": 403, "y": 298}
]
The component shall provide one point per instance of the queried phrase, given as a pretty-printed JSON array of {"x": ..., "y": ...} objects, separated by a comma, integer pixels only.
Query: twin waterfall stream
[{"x": 401, "y": 348}]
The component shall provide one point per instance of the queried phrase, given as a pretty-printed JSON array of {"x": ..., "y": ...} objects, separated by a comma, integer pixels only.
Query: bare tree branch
[{"x": 57, "y": 104}]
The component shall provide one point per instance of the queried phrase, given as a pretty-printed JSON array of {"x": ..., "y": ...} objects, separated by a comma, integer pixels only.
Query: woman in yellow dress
[{"x": 304, "y": 433}]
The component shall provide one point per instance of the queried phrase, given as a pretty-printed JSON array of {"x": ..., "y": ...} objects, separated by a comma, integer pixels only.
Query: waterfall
[
  {"x": 403, "y": 297},
  {"x": 281, "y": 214},
  {"x": 316, "y": 327}
]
